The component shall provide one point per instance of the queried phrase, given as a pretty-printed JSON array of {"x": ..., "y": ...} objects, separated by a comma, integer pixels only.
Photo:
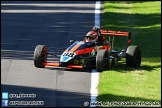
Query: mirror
[{"x": 72, "y": 41}]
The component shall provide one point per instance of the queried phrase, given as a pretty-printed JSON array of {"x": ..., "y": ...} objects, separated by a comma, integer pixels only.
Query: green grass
[{"x": 143, "y": 20}]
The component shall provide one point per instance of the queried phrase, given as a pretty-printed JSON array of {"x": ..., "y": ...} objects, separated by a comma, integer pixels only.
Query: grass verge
[{"x": 143, "y": 20}]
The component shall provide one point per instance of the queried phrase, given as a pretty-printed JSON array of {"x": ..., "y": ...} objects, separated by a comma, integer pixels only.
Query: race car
[{"x": 95, "y": 55}]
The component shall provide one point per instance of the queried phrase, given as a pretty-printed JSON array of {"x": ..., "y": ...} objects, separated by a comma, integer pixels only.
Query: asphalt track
[{"x": 27, "y": 24}]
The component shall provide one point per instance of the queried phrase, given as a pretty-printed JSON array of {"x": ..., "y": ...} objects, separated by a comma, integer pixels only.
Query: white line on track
[
  {"x": 95, "y": 74},
  {"x": 37, "y": 6}
]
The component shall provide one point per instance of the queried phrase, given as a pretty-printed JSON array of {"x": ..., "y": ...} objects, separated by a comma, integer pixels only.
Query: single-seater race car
[{"x": 98, "y": 55}]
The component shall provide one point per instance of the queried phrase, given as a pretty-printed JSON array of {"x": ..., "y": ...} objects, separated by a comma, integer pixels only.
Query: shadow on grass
[
  {"x": 146, "y": 33},
  {"x": 115, "y": 98},
  {"x": 145, "y": 28},
  {"x": 121, "y": 67}
]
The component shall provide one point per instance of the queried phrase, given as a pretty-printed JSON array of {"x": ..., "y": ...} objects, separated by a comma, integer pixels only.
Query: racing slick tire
[
  {"x": 40, "y": 56},
  {"x": 102, "y": 60},
  {"x": 133, "y": 56}
]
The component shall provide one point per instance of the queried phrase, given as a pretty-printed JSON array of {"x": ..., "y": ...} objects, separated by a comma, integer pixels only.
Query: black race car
[{"x": 99, "y": 55}]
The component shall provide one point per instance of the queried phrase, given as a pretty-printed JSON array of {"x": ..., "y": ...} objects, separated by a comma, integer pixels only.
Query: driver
[
  {"x": 94, "y": 36},
  {"x": 91, "y": 36}
]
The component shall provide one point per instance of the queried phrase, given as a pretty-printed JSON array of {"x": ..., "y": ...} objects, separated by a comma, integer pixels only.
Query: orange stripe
[
  {"x": 114, "y": 33},
  {"x": 84, "y": 51},
  {"x": 89, "y": 50},
  {"x": 75, "y": 66},
  {"x": 51, "y": 63},
  {"x": 74, "y": 48},
  {"x": 66, "y": 50},
  {"x": 105, "y": 47}
]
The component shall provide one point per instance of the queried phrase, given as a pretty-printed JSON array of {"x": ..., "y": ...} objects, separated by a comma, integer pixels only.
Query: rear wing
[{"x": 117, "y": 33}]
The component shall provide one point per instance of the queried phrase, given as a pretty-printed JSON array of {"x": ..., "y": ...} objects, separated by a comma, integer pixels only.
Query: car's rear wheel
[
  {"x": 40, "y": 56},
  {"x": 102, "y": 60},
  {"x": 133, "y": 56}
]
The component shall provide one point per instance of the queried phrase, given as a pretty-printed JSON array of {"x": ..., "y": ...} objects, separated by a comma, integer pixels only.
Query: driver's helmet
[
  {"x": 95, "y": 29},
  {"x": 92, "y": 35}
]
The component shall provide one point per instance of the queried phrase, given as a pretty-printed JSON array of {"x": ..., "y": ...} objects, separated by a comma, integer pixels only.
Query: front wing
[{"x": 56, "y": 64}]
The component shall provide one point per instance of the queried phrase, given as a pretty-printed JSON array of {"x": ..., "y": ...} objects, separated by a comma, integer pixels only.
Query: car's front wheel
[
  {"x": 40, "y": 56},
  {"x": 102, "y": 60}
]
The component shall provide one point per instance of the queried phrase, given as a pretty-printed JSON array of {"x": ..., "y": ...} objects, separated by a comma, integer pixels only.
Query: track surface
[{"x": 27, "y": 24}]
